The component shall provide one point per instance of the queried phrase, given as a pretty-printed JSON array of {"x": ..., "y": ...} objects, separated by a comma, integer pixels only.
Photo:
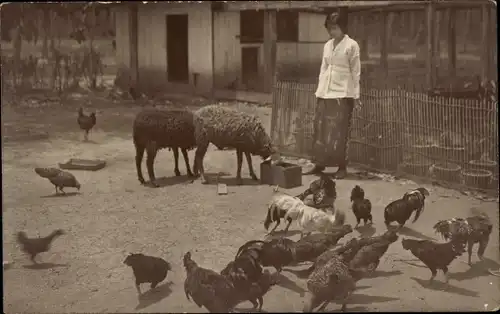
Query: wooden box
[{"x": 283, "y": 174}]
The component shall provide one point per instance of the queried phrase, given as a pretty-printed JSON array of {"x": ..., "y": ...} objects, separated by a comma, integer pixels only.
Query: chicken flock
[{"x": 334, "y": 267}]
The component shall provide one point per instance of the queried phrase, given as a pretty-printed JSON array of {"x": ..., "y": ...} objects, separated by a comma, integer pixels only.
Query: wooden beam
[
  {"x": 485, "y": 42},
  {"x": 269, "y": 47},
  {"x": 133, "y": 42},
  {"x": 364, "y": 38},
  {"x": 430, "y": 44},
  {"x": 284, "y": 5},
  {"x": 452, "y": 43},
  {"x": 384, "y": 44}
]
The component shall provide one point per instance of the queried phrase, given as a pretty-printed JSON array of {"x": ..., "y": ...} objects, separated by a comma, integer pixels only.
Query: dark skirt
[{"x": 332, "y": 124}]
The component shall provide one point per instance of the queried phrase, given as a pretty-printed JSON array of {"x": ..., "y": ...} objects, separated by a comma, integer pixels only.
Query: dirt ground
[{"x": 113, "y": 215}]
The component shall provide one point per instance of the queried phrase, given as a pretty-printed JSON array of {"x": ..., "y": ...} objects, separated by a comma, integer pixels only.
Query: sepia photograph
[{"x": 250, "y": 156}]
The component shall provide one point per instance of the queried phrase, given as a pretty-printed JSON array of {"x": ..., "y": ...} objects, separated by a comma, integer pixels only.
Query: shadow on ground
[
  {"x": 383, "y": 273},
  {"x": 405, "y": 231},
  {"x": 477, "y": 269},
  {"x": 155, "y": 295},
  {"x": 229, "y": 179},
  {"x": 169, "y": 181},
  {"x": 445, "y": 287},
  {"x": 366, "y": 231},
  {"x": 67, "y": 194},
  {"x": 41, "y": 266},
  {"x": 281, "y": 233},
  {"x": 285, "y": 282}
]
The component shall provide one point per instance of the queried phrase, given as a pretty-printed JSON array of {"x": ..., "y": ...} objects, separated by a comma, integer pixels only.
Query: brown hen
[{"x": 35, "y": 246}]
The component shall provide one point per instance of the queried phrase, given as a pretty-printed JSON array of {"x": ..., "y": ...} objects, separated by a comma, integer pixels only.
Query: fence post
[
  {"x": 430, "y": 44},
  {"x": 269, "y": 47}
]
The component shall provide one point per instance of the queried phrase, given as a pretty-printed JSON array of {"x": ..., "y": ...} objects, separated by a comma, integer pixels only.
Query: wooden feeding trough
[
  {"x": 448, "y": 172},
  {"x": 283, "y": 174},
  {"x": 83, "y": 164},
  {"x": 477, "y": 178}
]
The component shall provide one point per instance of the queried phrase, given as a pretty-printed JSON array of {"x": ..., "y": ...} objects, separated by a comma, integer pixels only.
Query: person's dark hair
[{"x": 338, "y": 19}]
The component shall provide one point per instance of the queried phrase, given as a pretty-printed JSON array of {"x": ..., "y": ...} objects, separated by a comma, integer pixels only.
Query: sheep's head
[{"x": 266, "y": 151}]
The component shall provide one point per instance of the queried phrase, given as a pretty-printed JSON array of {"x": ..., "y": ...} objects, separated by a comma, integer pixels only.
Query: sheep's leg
[
  {"x": 176, "y": 161},
  {"x": 483, "y": 243},
  {"x": 250, "y": 166},
  {"x": 186, "y": 160},
  {"x": 239, "y": 157},
  {"x": 445, "y": 272},
  {"x": 150, "y": 160},
  {"x": 434, "y": 273},
  {"x": 139, "y": 154},
  {"x": 61, "y": 189},
  {"x": 57, "y": 190},
  {"x": 201, "y": 150},
  {"x": 470, "y": 244},
  {"x": 261, "y": 303},
  {"x": 86, "y": 135},
  {"x": 138, "y": 288}
]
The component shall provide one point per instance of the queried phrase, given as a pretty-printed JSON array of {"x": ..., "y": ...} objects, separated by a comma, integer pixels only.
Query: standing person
[{"x": 337, "y": 94}]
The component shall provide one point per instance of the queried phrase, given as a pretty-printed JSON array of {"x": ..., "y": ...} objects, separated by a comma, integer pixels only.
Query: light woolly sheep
[
  {"x": 228, "y": 128},
  {"x": 155, "y": 129}
]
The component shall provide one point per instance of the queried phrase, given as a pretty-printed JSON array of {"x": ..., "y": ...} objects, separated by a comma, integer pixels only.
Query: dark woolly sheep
[
  {"x": 155, "y": 129},
  {"x": 226, "y": 127}
]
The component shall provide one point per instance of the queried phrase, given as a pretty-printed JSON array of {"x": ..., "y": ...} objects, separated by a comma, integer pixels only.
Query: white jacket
[{"x": 340, "y": 70}]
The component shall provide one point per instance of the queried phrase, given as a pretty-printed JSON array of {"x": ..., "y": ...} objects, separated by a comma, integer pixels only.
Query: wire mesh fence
[
  {"x": 61, "y": 72},
  {"x": 449, "y": 139}
]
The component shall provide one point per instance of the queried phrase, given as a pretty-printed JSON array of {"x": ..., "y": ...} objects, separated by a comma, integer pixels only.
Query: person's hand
[{"x": 358, "y": 104}]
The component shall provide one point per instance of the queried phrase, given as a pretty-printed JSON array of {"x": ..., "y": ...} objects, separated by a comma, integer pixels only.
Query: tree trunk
[
  {"x": 18, "y": 43},
  {"x": 467, "y": 26}
]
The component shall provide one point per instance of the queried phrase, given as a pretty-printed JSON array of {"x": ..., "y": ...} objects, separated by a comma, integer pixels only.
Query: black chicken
[
  {"x": 207, "y": 288},
  {"x": 310, "y": 247},
  {"x": 35, "y": 246},
  {"x": 368, "y": 257},
  {"x": 147, "y": 269},
  {"x": 435, "y": 255},
  {"x": 85, "y": 122},
  {"x": 254, "y": 291},
  {"x": 401, "y": 210},
  {"x": 276, "y": 252},
  {"x": 59, "y": 178},
  {"x": 474, "y": 229},
  {"x": 246, "y": 266},
  {"x": 324, "y": 193},
  {"x": 361, "y": 207}
]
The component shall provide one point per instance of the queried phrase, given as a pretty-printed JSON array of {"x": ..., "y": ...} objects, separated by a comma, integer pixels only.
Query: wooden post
[
  {"x": 430, "y": 44},
  {"x": 452, "y": 43},
  {"x": 133, "y": 43},
  {"x": 384, "y": 34},
  {"x": 436, "y": 53},
  {"x": 485, "y": 43},
  {"x": 364, "y": 37},
  {"x": 269, "y": 46}
]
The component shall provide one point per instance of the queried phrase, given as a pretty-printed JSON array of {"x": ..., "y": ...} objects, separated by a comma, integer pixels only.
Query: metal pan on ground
[{"x": 83, "y": 164}]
